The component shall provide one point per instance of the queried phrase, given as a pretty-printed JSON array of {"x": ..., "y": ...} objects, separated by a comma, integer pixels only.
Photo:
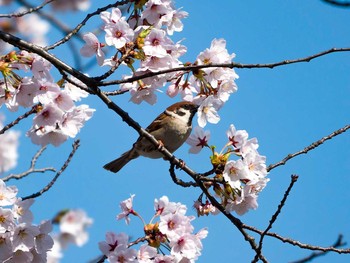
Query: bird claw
[{"x": 161, "y": 144}]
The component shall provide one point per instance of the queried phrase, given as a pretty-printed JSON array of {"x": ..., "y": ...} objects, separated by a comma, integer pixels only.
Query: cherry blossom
[
  {"x": 127, "y": 209},
  {"x": 7, "y": 194},
  {"x": 73, "y": 227},
  {"x": 146, "y": 254},
  {"x": 21, "y": 210},
  {"x": 198, "y": 139},
  {"x": 123, "y": 255},
  {"x": 207, "y": 112},
  {"x": 237, "y": 138},
  {"x": 92, "y": 47},
  {"x": 112, "y": 242}
]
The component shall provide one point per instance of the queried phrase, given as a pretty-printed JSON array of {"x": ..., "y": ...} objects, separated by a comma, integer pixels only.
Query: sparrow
[{"x": 171, "y": 128}]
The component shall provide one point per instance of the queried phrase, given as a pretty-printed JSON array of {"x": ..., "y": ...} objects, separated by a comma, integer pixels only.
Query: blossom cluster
[
  {"x": 72, "y": 230},
  {"x": 173, "y": 231},
  {"x": 146, "y": 38},
  {"x": 20, "y": 239},
  {"x": 243, "y": 178},
  {"x": 57, "y": 117}
]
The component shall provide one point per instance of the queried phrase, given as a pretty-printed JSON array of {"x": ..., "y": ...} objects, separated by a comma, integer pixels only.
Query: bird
[{"x": 171, "y": 128}]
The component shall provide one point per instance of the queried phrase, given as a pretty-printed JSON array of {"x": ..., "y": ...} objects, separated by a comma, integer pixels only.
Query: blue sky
[{"x": 286, "y": 108}]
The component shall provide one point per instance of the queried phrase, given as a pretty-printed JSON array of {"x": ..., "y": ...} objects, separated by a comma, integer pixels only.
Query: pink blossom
[
  {"x": 123, "y": 255},
  {"x": 112, "y": 242},
  {"x": 198, "y": 139},
  {"x": 185, "y": 89},
  {"x": 23, "y": 237},
  {"x": 127, "y": 209},
  {"x": 6, "y": 249},
  {"x": 118, "y": 34},
  {"x": 75, "y": 223},
  {"x": 50, "y": 115},
  {"x": 7, "y": 222},
  {"x": 92, "y": 47},
  {"x": 43, "y": 241},
  {"x": 174, "y": 225},
  {"x": 7, "y": 194},
  {"x": 237, "y": 138},
  {"x": 207, "y": 111},
  {"x": 155, "y": 10},
  {"x": 146, "y": 254},
  {"x": 156, "y": 43},
  {"x": 73, "y": 91},
  {"x": 21, "y": 210}
]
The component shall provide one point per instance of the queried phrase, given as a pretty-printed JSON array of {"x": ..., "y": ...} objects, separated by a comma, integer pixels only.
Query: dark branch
[
  {"x": 30, "y": 10},
  {"x": 273, "y": 219},
  {"x": 308, "y": 148},
  {"x": 31, "y": 169},
  {"x": 297, "y": 243},
  {"x": 75, "y": 31},
  {"x": 65, "y": 165},
  {"x": 226, "y": 65},
  {"x": 16, "y": 121},
  {"x": 338, "y": 243}
]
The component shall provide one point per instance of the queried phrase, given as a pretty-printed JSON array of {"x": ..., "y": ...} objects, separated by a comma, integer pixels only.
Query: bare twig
[
  {"x": 308, "y": 148},
  {"x": 65, "y": 165},
  {"x": 32, "y": 168},
  {"x": 297, "y": 243},
  {"x": 338, "y": 243},
  {"x": 16, "y": 121},
  {"x": 273, "y": 219},
  {"x": 75, "y": 31},
  {"x": 28, "y": 11}
]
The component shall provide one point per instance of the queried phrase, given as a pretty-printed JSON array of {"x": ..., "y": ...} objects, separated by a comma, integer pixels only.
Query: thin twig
[
  {"x": 308, "y": 148},
  {"x": 28, "y": 11},
  {"x": 273, "y": 219},
  {"x": 65, "y": 165},
  {"x": 338, "y": 243},
  {"x": 75, "y": 31},
  {"x": 32, "y": 168},
  {"x": 225, "y": 65},
  {"x": 297, "y": 243},
  {"x": 16, "y": 121}
]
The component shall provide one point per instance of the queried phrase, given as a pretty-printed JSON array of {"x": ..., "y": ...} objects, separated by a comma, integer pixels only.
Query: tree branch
[
  {"x": 224, "y": 65},
  {"x": 294, "y": 179},
  {"x": 297, "y": 243},
  {"x": 65, "y": 165},
  {"x": 309, "y": 148},
  {"x": 30, "y": 10},
  {"x": 16, "y": 121},
  {"x": 338, "y": 243},
  {"x": 31, "y": 168}
]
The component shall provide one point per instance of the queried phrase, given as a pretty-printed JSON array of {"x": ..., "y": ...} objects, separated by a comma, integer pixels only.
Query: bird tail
[{"x": 117, "y": 164}]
